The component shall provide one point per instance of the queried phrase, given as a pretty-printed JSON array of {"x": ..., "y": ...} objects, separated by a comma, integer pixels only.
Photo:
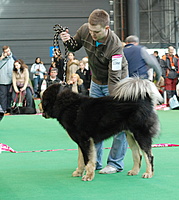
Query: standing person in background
[
  {"x": 59, "y": 63},
  {"x": 38, "y": 69},
  {"x": 6, "y": 66},
  {"x": 139, "y": 60},
  {"x": 157, "y": 56},
  {"x": 108, "y": 66},
  {"x": 84, "y": 75},
  {"x": 72, "y": 65},
  {"x": 169, "y": 64}
]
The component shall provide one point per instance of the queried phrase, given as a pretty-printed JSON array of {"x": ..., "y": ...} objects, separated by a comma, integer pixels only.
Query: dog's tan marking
[
  {"x": 81, "y": 166},
  {"x": 135, "y": 154},
  {"x": 149, "y": 172},
  {"x": 91, "y": 165}
]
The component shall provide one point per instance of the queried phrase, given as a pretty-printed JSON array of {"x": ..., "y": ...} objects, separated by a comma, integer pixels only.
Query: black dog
[
  {"x": 91, "y": 120},
  {"x": 22, "y": 110}
]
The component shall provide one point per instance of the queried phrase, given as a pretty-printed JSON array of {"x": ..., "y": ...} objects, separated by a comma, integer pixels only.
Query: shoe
[{"x": 108, "y": 170}]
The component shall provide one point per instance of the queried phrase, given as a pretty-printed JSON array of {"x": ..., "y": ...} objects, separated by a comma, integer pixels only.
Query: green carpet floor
[{"x": 47, "y": 175}]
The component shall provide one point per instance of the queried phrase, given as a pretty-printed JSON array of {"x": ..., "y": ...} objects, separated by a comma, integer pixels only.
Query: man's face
[
  {"x": 53, "y": 74},
  {"x": 98, "y": 33},
  {"x": 7, "y": 52},
  {"x": 171, "y": 52}
]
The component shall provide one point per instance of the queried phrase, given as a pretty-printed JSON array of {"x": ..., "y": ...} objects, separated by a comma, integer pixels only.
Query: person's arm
[
  {"x": 151, "y": 62},
  {"x": 114, "y": 76},
  {"x": 33, "y": 70},
  {"x": 26, "y": 72},
  {"x": 73, "y": 43},
  {"x": 14, "y": 82}
]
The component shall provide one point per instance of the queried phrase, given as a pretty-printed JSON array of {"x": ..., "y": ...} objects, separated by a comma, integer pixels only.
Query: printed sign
[
  {"x": 117, "y": 62},
  {"x": 51, "y": 51}
]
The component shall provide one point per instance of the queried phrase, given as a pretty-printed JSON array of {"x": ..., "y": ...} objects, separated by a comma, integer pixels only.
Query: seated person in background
[
  {"x": 21, "y": 88},
  {"x": 38, "y": 69},
  {"x": 84, "y": 75},
  {"x": 77, "y": 84},
  {"x": 50, "y": 80}
]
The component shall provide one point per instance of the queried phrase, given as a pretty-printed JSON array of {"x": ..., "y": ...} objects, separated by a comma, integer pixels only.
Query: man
[
  {"x": 140, "y": 62},
  {"x": 108, "y": 66},
  {"x": 52, "y": 79},
  {"x": 169, "y": 64},
  {"x": 6, "y": 67}
]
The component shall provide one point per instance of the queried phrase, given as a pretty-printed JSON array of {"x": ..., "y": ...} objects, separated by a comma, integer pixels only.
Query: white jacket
[{"x": 34, "y": 69}]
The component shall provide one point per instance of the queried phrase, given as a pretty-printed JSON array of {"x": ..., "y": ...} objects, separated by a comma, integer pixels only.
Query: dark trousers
[
  {"x": 1, "y": 113},
  {"x": 5, "y": 96},
  {"x": 170, "y": 87}
]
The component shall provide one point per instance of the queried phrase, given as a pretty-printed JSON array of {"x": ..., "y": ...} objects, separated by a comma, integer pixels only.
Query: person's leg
[
  {"x": 28, "y": 97},
  {"x": 1, "y": 113},
  {"x": 97, "y": 91},
  {"x": 118, "y": 150},
  {"x": 9, "y": 97},
  {"x": 35, "y": 86},
  {"x": 168, "y": 88},
  {"x": 173, "y": 87},
  {"x": 3, "y": 96}
]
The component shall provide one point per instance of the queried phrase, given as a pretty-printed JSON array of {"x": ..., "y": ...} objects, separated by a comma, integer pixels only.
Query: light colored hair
[
  {"x": 79, "y": 80},
  {"x": 131, "y": 39},
  {"x": 99, "y": 17}
]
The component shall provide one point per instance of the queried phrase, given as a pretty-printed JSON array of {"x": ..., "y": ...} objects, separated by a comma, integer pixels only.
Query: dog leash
[{"x": 4, "y": 147}]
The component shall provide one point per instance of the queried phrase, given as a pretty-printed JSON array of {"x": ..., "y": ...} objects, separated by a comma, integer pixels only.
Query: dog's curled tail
[{"x": 133, "y": 88}]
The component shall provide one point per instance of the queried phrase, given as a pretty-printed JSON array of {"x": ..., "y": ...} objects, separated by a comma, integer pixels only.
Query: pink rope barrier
[{"x": 4, "y": 147}]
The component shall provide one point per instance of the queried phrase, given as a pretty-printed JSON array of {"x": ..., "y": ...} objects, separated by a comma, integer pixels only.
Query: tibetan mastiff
[{"x": 90, "y": 120}]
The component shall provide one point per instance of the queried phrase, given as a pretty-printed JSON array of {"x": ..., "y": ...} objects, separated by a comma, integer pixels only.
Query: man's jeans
[{"x": 119, "y": 146}]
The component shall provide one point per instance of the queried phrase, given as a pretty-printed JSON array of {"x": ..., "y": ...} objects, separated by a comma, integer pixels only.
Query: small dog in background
[
  {"x": 22, "y": 110},
  {"x": 90, "y": 120}
]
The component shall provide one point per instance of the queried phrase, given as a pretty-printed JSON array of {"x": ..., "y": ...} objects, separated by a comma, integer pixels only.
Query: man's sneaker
[{"x": 108, "y": 170}]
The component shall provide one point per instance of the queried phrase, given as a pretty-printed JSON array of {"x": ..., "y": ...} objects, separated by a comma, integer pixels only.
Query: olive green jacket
[{"x": 100, "y": 58}]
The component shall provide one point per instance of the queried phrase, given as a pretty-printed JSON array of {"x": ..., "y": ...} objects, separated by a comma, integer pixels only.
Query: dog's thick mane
[{"x": 135, "y": 88}]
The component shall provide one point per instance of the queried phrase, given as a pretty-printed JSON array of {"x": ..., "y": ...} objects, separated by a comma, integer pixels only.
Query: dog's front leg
[
  {"x": 91, "y": 164},
  {"x": 81, "y": 166}
]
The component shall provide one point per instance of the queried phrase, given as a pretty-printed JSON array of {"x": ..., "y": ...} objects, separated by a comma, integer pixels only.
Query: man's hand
[
  {"x": 64, "y": 36},
  {"x": 4, "y": 55}
]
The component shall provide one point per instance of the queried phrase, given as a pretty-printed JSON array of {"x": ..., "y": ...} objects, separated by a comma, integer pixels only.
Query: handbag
[{"x": 173, "y": 102}]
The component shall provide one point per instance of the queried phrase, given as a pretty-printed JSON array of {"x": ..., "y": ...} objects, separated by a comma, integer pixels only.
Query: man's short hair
[
  {"x": 5, "y": 47},
  {"x": 132, "y": 38},
  {"x": 99, "y": 17},
  {"x": 54, "y": 70}
]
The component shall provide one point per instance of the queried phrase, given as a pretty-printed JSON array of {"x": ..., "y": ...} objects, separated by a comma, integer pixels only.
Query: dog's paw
[
  {"x": 87, "y": 178},
  {"x": 147, "y": 175},
  {"x": 132, "y": 173},
  {"x": 77, "y": 173}
]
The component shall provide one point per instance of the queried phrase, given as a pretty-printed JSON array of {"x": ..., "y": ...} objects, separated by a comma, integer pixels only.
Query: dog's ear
[{"x": 64, "y": 86}]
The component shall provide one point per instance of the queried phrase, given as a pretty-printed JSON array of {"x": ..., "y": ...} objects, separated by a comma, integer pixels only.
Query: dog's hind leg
[
  {"x": 149, "y": 164},
  {"x": 137, "y": 157},
  {"x": 91, "y": 164},
  {"x": 81, "y": 165}
]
